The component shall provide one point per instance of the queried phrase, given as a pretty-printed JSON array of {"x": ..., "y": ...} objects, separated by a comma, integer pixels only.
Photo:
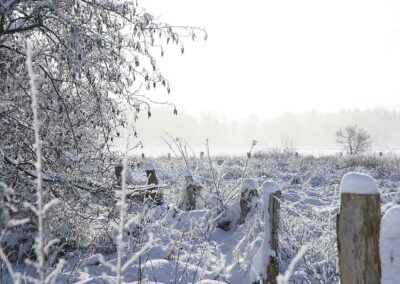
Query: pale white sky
[{"x": 272, "y": 57}]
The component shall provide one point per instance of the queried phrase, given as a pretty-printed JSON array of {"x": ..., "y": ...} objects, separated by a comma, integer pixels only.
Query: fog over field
[{"x": 307, "y": 130}]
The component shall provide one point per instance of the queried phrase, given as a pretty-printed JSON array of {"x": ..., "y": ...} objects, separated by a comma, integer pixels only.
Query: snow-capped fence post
[
  {"x": 358, "y": 224},
  {"x": 191, "y": 190},
  {"x": 389, "y": 245},
  {"x": 152, "y": 179},
  {"x": 189, "y": 193},
  {"x": 265, "y": 266},
  {"x": 248, "y": 191}
]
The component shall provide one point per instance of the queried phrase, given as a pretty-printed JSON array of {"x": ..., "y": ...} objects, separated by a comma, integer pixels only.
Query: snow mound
[
  {"x": 164, "y": 271},
  {"x": 93, "y": 260},
  {"x": 317, "y": 181},
  {"x": 187, "y": 220},
  {"x": 358, "y": 183},
  {"x": 389, "y": 244},
  {"x": 248, "y": 184}
]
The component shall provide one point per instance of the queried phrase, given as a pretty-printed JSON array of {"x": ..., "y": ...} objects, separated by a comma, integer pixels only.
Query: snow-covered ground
[{"x": 195, "y": 247}]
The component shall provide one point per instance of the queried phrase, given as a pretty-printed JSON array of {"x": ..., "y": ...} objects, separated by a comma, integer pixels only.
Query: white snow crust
[
  {"x": 248, "y": 184},
  {"x": 270, "y": 186},
  {"x": 358, "y": 183},
  {"x": 389, "y": 246}
]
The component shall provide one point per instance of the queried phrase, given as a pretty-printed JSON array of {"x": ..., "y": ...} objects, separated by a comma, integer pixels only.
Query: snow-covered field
[{"x": 189, "y": 247}]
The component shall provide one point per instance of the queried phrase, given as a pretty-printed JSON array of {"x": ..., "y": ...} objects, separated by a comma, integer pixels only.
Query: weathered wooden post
[
  {"x": 201, "y": 155},
  {"x": 265, "y": 266},
  {"x": 192, "y": 188},
  {"x": 143, "y": 156},
  {"x": 190, "y": 191},
  {"x": 249, "y": 155},
  {"x": 358, "y": 225},
  {"x": 152, "y": 192},
  {"x": 389, "y": 246},
  {"x": 248, "y": 191},
  {"x": 118, "y": 172}
]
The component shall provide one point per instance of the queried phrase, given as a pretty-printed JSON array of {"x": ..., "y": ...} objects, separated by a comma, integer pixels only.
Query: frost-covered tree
[
  {"x": 95, "y": 61},
  {"x": 353, "y": 139}
]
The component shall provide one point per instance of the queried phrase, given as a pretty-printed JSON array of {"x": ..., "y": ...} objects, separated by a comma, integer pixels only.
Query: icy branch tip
[{"x": 358, "y": 183}]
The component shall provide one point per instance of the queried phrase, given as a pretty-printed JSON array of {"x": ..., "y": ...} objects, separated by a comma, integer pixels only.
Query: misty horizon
[{"x": 305, "y": 130}]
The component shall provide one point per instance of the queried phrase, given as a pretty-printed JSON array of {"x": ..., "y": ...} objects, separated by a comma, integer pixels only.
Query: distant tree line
[{"x": 308, "y": 129}]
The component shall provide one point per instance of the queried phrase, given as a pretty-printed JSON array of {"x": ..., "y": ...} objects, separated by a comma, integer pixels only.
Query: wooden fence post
[
  {"x": 358, "y": 224},
  {"x": 266, "y": 261},
  {"x": 152, "y": 180},
  {"x": 274, "y": 206},
  {"x": 118, "y": 171},
  {"x": 191, "y": 190},
  {"x": 189, "y": 193},
  {"x": 248, "y": 191}
]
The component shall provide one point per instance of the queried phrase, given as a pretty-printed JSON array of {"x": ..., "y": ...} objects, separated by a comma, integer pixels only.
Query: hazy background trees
[{"x": 309, "y": 129}]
